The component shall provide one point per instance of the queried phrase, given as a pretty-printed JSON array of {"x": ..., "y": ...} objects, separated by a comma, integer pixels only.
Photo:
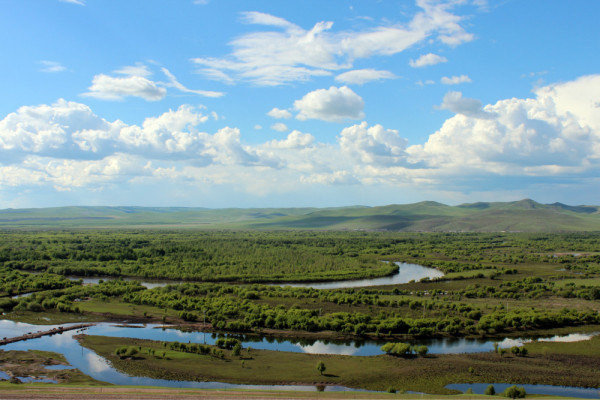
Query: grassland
[{"x": 523, "y": 216}]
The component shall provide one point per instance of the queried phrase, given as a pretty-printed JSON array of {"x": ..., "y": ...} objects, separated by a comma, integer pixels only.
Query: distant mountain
[{"x": 520, "y": 216}]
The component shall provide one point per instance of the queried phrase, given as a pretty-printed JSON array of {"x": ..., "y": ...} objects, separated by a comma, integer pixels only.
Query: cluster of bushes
[
  {"x": 126, "y": 351},
  {"x": 404, "y": 349}
]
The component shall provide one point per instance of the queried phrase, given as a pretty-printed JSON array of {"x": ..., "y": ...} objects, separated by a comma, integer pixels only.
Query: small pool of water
[
  {"x": 58, "y": 367},
  {"x": 563, "y": 391},
  {"x": 406, "y": 273}
]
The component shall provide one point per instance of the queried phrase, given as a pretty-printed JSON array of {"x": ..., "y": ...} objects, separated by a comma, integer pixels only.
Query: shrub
[
  {"x": 515, "y": 392},
  {"x": 490, "y": 390},
  {"x": 397, "y": 349}
]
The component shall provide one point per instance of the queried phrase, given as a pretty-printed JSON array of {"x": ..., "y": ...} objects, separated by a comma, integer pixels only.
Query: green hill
[{"x": 521, "y": 216}]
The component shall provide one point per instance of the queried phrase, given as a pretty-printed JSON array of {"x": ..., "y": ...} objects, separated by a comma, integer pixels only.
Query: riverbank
[
  {"x": 8, "y": 391},
  {"x": 420, "y": 374}
]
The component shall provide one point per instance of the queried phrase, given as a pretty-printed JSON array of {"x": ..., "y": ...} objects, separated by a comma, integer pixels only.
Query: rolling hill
[{"x": 520, "y": 216}]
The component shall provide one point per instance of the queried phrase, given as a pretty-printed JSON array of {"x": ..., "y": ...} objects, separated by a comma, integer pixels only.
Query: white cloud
[
  {"x": 52, "y": 66},
  {"x": 455, "y": 80},
  {"x": 106, "y": 87},
  {"x": 279, "y": 127},
  {"x": 525, "y": 137},
  {"x": 173, "y": 82},
  {"x": 138, "y": 69},
  {"x": 361, "y": 76},
  {"x": 295, "y": 140},
  {"x": 453, "y": 101},
  {"x": 279, "y": 114},
  {"x": 333, "y": 105},
  {"x": 373, "y": 145},
  {"x": 332, "y": 178},
  {"x": 258, "y": 127},
  {"x": 135, "y": 82},
  {"x": 289, "y": 53},
  {"x": 579, "y": 97},
  {"x": 78, "y": 2},
  {"x": 427, "y": 60}
]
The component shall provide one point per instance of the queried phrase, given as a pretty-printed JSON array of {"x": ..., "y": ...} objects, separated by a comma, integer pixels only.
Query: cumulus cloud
[
  {"x": 52, "y": 66},
  {"x": 453, "y": 101},
  {"x": 455, "y": 80},
  {"x": 72, "y": 131},
  {"x": 288, "y": 52},
  {"x": 531, "y": 137},
  {"x": 427, "y": 60},
  {"x": 373, "y": 145},
  {"x": 279, "y": 127},
  {"x": 333, "y": 105},
  {"x": 279, "y": 114},
  {"x": 295, "y": 140},
  {"x": 361, "y": 76}
]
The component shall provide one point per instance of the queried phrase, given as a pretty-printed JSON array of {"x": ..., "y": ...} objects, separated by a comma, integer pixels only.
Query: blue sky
[{"x": 219, "y": 103}]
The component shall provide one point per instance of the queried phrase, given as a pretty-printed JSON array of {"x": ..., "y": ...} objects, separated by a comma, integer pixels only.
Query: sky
[{"x": 223, "y": 103}]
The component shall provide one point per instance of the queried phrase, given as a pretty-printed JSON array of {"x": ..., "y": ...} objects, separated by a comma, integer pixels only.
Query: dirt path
[
  {"x": 89, "y": 393},
  {"x": 35, "y": 335}
]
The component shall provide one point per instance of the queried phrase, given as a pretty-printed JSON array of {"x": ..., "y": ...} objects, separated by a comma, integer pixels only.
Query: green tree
[
  {"x": 515, "y": 392},
  {"x": 490, "y": 390},
  {"x": 321, "y": 367}
]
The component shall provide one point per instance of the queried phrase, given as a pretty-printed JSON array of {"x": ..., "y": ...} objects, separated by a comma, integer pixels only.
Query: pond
[{"x": 562, "y": 391}]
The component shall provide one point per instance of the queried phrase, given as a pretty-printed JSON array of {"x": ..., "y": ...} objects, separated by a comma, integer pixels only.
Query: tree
[
  {"x": 321, "y": 367},
  {"x": 490, "y": 390},
  {"x": 237, "y": 349},
  {"x": 422, "y": 350},
  {"x": 515, "y": 392}
]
